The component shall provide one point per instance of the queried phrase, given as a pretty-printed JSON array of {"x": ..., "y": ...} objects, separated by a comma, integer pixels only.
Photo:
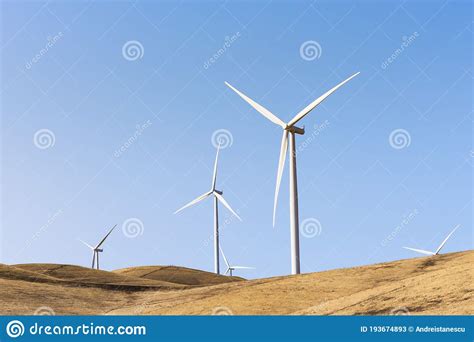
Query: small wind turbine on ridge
[
  {"x": 96, "y": 250},
  {"x": 421, "y": 251},
  {"x": 233, "y": 268}
]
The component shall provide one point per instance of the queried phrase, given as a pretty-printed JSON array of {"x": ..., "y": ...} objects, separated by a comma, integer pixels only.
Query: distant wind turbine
[
  {"x": 232, "y": 268},
  {"x": 96, "y": 250},
  {"x": 289, "y": 129},
  {"x": 439, "y": 248},
  {"x": 217, "y": 198}
]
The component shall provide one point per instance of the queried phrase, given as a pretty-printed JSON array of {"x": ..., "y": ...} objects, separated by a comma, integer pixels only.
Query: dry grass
[
  {"x": 433, "y": 285},
  {"x": 178, "y": 275}
]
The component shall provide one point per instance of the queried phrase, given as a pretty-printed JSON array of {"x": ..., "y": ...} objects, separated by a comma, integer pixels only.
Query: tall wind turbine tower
[
  {"x": 289, "y": 131},
  {"x": 217, "y": 198}
]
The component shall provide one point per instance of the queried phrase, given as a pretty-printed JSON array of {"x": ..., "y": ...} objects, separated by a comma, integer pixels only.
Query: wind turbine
[
  {"x": 289, "y": 131},
  {"x": 232, "y": 268},
  {"x": 217, "y": 198},
  {"x": 439, "y": 248},
  {"x": 96, "y": 250}
]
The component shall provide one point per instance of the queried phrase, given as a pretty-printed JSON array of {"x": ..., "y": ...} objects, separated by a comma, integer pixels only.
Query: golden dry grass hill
[{"x": 439, "y": 285}]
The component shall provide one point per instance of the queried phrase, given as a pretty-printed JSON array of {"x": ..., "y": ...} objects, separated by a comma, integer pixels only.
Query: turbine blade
[
  {"x": 316, "y": 102},
  {"x": 243, "y": 268},
  {"x": 262, "y": 110},
  {"x": 105, "y": 237},
  {"x": 93, "y": 259},
  {"x": 227, "y": 271},
  {"x": 225, "y": 259},
  {"x": 85, "y": 243},
  {"x": 214, "y": 177},
  {"x": 281, "y": 167},
  {"x": 420, "y": 251},
  {"x": 220, "y": 198},
  {"x": 194, "y": 201},
  {"x": 447, "y": 237}
]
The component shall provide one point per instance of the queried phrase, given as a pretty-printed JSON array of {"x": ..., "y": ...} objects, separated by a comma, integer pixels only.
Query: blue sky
[{"x": 74, "y": 162}]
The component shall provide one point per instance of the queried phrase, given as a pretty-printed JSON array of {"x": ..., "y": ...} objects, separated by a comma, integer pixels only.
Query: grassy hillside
[
  {"x": 441, "y": 284},
  {"x": 178, "y": 275}
]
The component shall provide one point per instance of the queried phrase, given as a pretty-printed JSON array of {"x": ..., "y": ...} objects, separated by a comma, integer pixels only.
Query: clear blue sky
[{"x": 370, "y": 198}]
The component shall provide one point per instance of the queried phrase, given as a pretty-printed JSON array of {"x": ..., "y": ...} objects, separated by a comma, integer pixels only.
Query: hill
[
  {"x": 178, "y": 275},
  {"x": 442, "y": 284},
  {"x": 80, "y": 276}
]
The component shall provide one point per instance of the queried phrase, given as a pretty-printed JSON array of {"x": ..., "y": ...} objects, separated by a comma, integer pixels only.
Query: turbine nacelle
[{"x": 294, "y": 129}]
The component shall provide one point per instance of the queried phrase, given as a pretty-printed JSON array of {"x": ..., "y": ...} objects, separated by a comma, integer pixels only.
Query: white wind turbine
[
  {"x": 233, "y": 268},
  {"x": 439, "y": 248},
  {"x": 96, "y": 250},
  {"x": 217, "y": 197},
  {"x": 289, "y": 129}
]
